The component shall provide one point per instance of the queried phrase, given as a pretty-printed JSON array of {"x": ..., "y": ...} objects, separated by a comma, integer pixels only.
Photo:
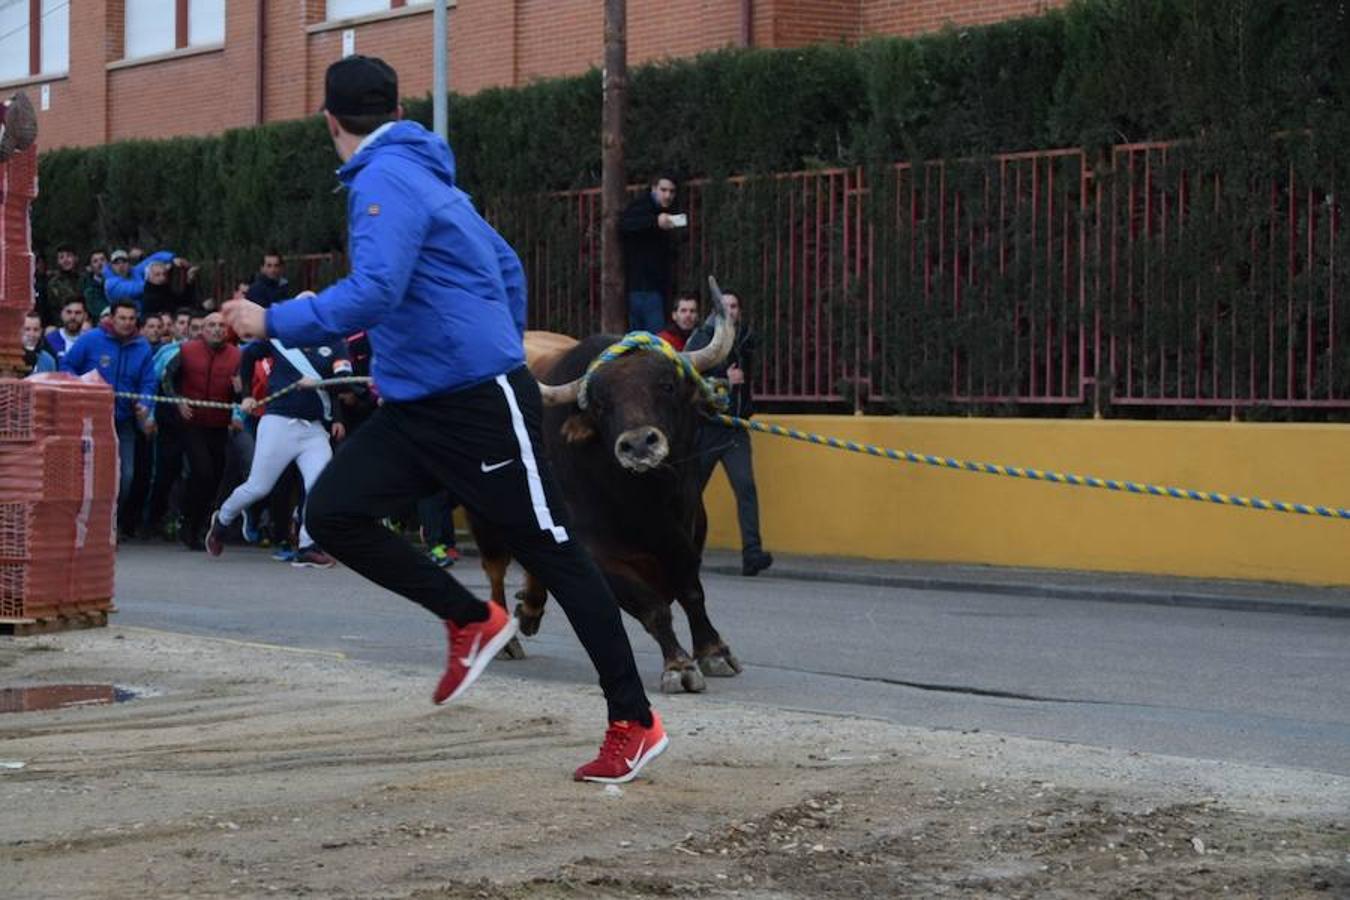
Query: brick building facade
[{"x": 108, "y": 70}]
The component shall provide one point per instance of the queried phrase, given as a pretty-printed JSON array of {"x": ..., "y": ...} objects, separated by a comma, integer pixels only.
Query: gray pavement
[{"x": 1252, "y": 683}]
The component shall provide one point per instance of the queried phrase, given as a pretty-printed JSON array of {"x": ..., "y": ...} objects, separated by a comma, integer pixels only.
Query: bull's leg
[
  {"x": 714, "y": 657},
  {"x": 652, "y": 608},
  {"x": 496, "y": 560},
  {"x": 530, "y": 608}
]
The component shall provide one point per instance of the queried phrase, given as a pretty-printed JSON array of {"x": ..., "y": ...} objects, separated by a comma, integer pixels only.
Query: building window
[
  {"x": 34, "y": 38},
  {"x": 162, "y": 26},
  {"x": 347, "y": 9}
]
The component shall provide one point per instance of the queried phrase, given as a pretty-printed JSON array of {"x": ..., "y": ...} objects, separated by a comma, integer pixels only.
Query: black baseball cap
[{"x": 360, "y": 86}]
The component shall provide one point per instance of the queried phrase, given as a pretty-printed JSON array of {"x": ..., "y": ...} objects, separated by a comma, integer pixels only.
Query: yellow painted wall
[{"x": 815, "y": 500}]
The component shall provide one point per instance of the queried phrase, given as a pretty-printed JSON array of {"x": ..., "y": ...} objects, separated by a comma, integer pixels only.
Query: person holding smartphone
[{"x": 646, "y": 229}]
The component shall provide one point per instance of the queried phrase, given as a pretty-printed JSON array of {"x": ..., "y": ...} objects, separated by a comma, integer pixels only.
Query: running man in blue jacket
[{"x": 442, "y": 297}]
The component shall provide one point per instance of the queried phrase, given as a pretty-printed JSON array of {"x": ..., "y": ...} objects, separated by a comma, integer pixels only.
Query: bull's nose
[{"x": 642, "y": 448}]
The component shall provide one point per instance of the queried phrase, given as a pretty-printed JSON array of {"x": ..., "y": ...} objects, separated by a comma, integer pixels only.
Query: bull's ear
[
  {"x": 578, "y": 429},
  {"x": 703, "y": 404}
]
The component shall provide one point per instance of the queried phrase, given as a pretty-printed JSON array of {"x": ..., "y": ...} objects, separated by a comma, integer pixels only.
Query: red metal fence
[
  {"x": 1049, "y": 278},
  {"x": 1022, "y": 279}
]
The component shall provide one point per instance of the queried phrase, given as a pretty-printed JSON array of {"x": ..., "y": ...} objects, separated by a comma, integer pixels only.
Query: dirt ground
[{"x": 243, "y": 770}]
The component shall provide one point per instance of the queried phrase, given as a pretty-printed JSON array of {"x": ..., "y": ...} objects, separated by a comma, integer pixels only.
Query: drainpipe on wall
[
  {"x": 260, "y": 35},
  {"x": 747, "y": 23},
  {"x": 440, "y": 65}
]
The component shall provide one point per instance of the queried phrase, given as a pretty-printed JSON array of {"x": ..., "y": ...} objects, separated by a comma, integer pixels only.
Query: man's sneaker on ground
[
  {"x": 215, "y": 535},
  {"x": 472, "y": 647},
  {"x": 627, "y": 747},
  {"x": 18, "y": 125},
  {"x": 754, "y": 563},
  {"x": 283, "y": 553},
  {"x": 312, "y": 557},
  {"x": 249, "y": 528},
  {"x": 443, "y": 556}
]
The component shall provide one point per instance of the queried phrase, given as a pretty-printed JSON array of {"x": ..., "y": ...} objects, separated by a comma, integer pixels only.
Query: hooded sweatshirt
[
  {"x": 132, "y": 286},
  {"x": 125, "y": 363},
  {"x": 440, "y": 293}
]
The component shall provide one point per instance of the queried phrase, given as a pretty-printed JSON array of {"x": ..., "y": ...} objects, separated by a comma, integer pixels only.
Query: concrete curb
[{"x": 1329, "y": 608}]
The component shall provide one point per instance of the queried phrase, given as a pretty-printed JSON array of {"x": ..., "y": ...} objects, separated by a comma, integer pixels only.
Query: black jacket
[
  {"x": 648, "y": 249},
  {"x": 165, "y": 298},
  {"x": 742, "y": 354},
  {"x": 265, "y": 291}
]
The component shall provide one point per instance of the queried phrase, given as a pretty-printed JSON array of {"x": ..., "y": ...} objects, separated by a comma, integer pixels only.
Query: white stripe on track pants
[{"x": 281, "y": 441}]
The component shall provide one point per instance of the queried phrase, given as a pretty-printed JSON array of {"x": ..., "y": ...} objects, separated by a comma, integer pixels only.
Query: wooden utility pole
[{"x": 613, "y": 305}]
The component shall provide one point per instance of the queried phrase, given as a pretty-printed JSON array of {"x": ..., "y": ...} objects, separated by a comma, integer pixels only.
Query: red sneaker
[
  {"x": 472, "y": 647},
  {"x": 626, "y": 749}
]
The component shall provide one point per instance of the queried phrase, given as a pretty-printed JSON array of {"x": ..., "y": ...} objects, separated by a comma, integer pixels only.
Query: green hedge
[{"x": 1097, "y": 72}]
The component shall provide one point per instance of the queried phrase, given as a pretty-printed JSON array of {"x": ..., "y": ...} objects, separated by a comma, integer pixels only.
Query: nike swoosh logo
[
  {"x": 495, "y": 466},
  {"x": 473, "y": 652},
  {"x": 636, "y": 756}
]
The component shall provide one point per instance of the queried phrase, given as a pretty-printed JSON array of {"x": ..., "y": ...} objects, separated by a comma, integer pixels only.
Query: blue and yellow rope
[
  {"x": 1090, "y": 481},
  {"x": 645, "y": 340}
]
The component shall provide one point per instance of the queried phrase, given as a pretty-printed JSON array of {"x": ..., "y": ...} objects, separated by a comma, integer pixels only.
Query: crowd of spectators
[{"x": 139, "y": 320}]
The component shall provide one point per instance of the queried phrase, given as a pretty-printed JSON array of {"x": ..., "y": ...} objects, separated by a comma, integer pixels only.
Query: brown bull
[{"x": 627, "y": 464}]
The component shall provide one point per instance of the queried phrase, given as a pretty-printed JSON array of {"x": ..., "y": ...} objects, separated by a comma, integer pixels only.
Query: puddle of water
[{"x": 61, "y": 696}]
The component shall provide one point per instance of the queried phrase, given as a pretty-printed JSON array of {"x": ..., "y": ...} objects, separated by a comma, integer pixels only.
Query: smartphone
[{"x": 679, "y": 220}]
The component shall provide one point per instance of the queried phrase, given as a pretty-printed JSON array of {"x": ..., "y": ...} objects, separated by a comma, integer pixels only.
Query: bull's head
[{"x": 640, "y": 404}]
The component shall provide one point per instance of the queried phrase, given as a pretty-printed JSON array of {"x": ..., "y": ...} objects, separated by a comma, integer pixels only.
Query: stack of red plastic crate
[
  {"x": 18, "y": 187},
  {"x": 58, "y": 451},
  {"x": 58, "y": 497}
]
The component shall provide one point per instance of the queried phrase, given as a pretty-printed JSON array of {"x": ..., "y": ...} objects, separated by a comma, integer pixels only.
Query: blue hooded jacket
[
  {"x": 132, "y": 286},
  {"x": 128, "y": 365},
  {"x": 441, "y": 294}
]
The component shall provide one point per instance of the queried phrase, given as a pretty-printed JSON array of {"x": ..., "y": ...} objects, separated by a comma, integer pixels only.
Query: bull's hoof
[
  {"x": 693, "y": 681},
  {"x": 529, "y": 622},
  {"x": 670, "y": 682},
  {"x": 512, "y": 650},
  {"x": 682, "y": 681},
  {"x": 720, "y": 664}
]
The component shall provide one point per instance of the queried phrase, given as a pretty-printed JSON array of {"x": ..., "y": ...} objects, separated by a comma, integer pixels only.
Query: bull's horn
[
  {"x": 560, "y": 394},
  {"x": 724, "y": 333}
]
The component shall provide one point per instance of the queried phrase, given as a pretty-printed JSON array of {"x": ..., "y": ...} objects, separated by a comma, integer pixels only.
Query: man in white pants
[{"x": 294, "y": 429}]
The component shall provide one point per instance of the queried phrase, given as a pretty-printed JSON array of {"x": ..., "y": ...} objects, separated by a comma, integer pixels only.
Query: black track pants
[{"x": 483, "y": 445}]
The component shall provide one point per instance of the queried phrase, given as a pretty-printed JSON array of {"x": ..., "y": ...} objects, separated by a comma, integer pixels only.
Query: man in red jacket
[
  {"x": 203, "y": 370},
  {"x": 683, "y": 321}
]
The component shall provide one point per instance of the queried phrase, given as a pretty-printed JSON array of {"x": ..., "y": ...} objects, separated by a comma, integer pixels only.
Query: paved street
[{"x": 1245, "y": 685}]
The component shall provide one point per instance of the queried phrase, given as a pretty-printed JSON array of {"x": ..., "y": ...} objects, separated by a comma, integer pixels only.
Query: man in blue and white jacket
[
  {"x": 442, "y": 296},
  {"x": 294, "y": 429}
]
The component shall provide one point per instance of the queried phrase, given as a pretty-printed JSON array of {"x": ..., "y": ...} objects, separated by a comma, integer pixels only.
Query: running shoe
[
  {"x": 312, "y": 557},
  {"x": 472, "y": 647},
  {"x": 249, "y": 529},
  {"x": 627, "y": 747},
  {"x": 443, "y": 556},
  {"x": 215, "y": 535}
]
